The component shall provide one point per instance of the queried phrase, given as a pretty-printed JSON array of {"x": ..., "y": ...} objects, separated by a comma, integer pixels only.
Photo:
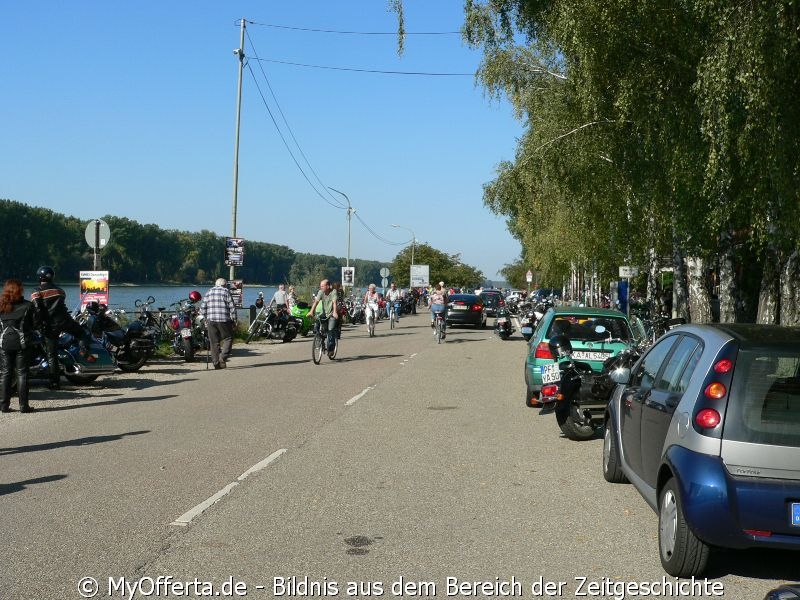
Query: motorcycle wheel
[
  {"x": 253, "y": 331},
  {"x": 573, "y": 426},
  {"x": 188, "y": 350},
  {"x": 80, "y": 379},
  {"x": 137, "y": 361}
]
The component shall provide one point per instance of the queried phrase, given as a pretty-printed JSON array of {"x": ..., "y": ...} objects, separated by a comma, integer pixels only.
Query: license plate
[
  {"x": 588, "y": 355},
  {"x": 459, "y": 307},
  {"x": 524, "y": 330},
  {"x": 186, "y": 333},
  {"x": 796, "y": 514},
  {"x": 551, "y": 373}
]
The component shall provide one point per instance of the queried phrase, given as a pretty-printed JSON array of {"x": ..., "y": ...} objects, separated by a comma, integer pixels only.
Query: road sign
[
  {"x": 628, "y": 272},
  {"x": 384, "y": 272},
  {"x": 384, "y": 281},
  {"x": 529, "y": 276},
  {"x": 97, "y": 231}
]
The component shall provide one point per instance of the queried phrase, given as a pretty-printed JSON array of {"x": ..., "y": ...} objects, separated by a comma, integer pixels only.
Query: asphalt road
[{"x": 402, "y": 468}]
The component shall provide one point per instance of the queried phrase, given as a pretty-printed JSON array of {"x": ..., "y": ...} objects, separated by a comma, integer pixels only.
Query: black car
[
  {"x": 492, "y": 301},
  {"x": 466, "y": 309}
]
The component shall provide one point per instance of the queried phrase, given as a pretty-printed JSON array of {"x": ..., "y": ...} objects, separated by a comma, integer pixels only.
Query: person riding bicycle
[
  {"x": 438, "y": 303},
  {"x": 371, "y": 299},
  {"x": 393, "y": 297},
  {"x": 325, "y": 304}
]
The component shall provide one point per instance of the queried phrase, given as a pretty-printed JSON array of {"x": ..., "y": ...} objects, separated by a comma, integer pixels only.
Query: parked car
[
  {"x": 706, "y": 426},
  {"x": 466, "y": 309},
  {"x": 492, "y": 301},
  {"x": 578, "y": 324}
]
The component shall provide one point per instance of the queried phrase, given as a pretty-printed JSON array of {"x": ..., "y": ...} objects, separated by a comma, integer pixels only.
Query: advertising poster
[
  {"x": 420, "y": 276},
  {"x": 237, "y": 291},
  {"x": 94, "y": 287},
  {"x": 348, "y": 276},
  {"x": 234, "y": 252}
]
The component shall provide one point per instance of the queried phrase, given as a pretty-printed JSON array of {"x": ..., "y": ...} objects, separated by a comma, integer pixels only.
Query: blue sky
[{"x": 129, "y": 109}]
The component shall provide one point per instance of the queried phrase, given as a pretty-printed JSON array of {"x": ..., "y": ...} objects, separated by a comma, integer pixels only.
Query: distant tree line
[{"x": 31, "y": 237}]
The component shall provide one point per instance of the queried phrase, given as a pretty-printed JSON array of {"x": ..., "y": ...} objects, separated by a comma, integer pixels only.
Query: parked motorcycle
[
  {"x": 130, "y": 346},
  {"x": 274, "y": 324},
  {"x": 502, "y": 324},
  {"x": 578, "y": 395},
  {"x": 187, "y": 325},
  {"x": 76, "y": 368},
  {"x": 300, "y": 311}
]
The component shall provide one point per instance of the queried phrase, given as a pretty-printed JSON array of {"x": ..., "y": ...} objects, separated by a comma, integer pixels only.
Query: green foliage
[{"x": 441, "y": 267}]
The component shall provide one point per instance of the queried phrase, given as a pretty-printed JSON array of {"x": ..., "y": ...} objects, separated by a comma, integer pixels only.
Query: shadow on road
[
  {"x": 18, "y": 486},
  {"x": 83, "y": 441}
]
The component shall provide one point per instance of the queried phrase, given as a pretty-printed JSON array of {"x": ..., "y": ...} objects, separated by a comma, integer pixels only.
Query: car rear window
[
  {"x": 580, "y": 328},
  {"x": 764, "y": 407}
]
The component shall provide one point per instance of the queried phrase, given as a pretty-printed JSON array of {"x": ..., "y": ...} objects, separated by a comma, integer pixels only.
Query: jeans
[{"x": 440, "y": 308}]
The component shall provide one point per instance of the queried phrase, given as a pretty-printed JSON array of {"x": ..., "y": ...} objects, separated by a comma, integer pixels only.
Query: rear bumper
[{"x": 734, "y": 512}]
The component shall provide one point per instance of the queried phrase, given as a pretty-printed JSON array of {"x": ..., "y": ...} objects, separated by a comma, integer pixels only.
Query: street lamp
[
  {"x": 413, "y": 240},
  {"x": 350, "y": 212}
]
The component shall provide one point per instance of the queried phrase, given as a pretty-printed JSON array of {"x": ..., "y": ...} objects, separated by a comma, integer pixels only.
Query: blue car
[{"x": 706, "y": 426}]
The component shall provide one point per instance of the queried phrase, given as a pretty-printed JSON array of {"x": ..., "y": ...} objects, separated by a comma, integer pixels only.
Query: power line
[
  {"x": 394, "y": 33},
  {"x": 378, "y": 71}
]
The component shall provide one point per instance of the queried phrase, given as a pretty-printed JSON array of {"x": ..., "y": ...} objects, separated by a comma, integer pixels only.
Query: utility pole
[
  {"x": 239, "y": 52},
  {"x": 350, "y": 212}
]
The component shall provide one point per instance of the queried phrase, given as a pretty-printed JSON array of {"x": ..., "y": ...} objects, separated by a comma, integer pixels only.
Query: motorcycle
[
  {"x": 130, "y": 346},
  {"x": 356, "y": 312},
  {"x": 576, "y": 393},
  {"x": 274, "y": 324},
  {"x": 300, "y": 312},
  {"x": 187, "y": 324},
  {"x": 502, "y": 324},
  {"x": 74, "y": 367}
]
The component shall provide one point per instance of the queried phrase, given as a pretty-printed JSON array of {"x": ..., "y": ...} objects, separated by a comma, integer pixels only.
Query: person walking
[
  {"x": 16, "y": 327},
  {"x": 219, "y": 315},
  {"x": 50, "y": 303}
]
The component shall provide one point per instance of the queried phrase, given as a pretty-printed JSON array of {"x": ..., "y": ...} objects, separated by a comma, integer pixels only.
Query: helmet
[
  {"x": 560, "y": 346},
  {"x": 45, "y": 273},
  {"x": 194, "y": 296}
]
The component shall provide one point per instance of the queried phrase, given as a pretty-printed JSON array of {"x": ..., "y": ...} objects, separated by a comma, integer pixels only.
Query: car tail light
[
  {"x": 708, "y": 418},
  {"x": 501, "y": 302},
  {"x": 477, "y": 307},
  {"x": 723, "y": 366},
  {"x": 543, "y": 351},
  {"x": 715, "y": 391}
]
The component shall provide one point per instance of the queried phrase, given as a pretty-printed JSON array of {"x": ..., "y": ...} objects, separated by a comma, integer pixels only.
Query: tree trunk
[
  {"x": 653, "y": 293},
  {"x": 729, "y": 294},
  {"x": 790, "y": 295},
  {"x": 680, "y": 294},
  {"x": 769, "y": 297},
  {"x": 699, "y": 304}
]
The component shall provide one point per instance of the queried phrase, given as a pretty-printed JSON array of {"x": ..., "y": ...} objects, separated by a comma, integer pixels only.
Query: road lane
[{"x": 437, "y": 470}]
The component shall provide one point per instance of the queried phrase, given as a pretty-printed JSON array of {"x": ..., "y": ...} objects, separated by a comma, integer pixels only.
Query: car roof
[
  {"x": 588, "y": 310},
  {"x": 471, "y": 297},
  {"x": 748, "y": 334}
]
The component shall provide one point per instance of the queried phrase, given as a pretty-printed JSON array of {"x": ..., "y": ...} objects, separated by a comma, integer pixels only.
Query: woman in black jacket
[{"x": 16, "y": 325}]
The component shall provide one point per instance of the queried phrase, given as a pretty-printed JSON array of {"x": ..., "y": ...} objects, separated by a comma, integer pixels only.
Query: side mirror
[{"x": 621, "y": 375}]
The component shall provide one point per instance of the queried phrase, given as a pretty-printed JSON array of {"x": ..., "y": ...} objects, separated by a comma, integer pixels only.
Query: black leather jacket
[{"x": 51, "y": 305}]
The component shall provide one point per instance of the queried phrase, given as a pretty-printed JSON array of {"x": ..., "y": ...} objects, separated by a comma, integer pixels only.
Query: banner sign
[
  {"x": 234, "y": 252},
  {"x": 348, "y": 276},
  {"x": 236, "y": 288},
  {"x": 94, "y": 287},
  {"x": 420, "y": 276}
]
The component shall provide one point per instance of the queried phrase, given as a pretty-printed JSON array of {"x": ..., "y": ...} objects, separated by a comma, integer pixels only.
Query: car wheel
[
  {"x": 612, "y": 472},
  {"x": 682, "y": 553},
  {"x": 530, "y": 396}
]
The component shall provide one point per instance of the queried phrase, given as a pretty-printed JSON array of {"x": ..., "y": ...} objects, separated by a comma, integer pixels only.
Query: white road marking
[
  {"x": 190, "y": 514},
  {"x": 357, "y": 397}
]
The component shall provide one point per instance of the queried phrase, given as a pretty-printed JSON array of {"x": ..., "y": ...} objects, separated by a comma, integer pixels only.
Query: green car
[{"x": 578, "y": 324}]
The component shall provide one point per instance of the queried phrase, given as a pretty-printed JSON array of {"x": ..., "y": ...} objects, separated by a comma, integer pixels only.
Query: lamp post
[
  {"x": 350, "y": 212},
  {"x": 413, "y": 240}
]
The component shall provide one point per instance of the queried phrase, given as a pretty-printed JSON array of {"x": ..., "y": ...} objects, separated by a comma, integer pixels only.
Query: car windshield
[
  {"x": 583, "y": 328},
  {"x": 765, "y": 403}
]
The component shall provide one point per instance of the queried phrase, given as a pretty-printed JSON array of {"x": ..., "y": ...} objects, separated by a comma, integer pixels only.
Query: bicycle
[
  {"x": 322, "y": 333},
  {"x": 372, "y": 316},
  {"x": 438, "y": 326},
  {"x": 393, "y": 306}
]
